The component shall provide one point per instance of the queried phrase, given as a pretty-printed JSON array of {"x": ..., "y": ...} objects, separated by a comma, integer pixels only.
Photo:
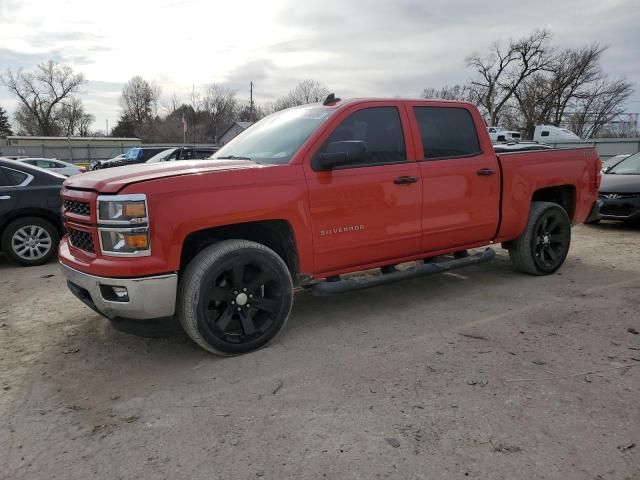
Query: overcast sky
[{"x": 355, "y": 47}]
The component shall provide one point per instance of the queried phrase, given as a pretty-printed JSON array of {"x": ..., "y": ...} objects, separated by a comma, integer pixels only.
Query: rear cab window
[{"x": 447, "y": 132}]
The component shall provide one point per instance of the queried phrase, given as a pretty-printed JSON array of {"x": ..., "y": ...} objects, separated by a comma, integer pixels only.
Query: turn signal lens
[
  {"x": 137, "y": 241},
  {"x": 133, "y": 210}
]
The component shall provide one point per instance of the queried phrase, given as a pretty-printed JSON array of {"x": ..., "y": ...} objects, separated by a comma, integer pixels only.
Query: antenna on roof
[{"x": 331, "y": 99}]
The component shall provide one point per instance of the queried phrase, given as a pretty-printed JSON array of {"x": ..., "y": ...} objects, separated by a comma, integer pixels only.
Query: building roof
[{"x": 29, "y": 137}]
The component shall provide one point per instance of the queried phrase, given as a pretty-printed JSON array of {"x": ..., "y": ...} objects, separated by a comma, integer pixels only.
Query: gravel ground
[{"x": 483, "y": 373}]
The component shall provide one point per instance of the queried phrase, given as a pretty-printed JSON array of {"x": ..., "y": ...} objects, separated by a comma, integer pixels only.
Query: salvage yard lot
[{"x": 483, "y": 373}]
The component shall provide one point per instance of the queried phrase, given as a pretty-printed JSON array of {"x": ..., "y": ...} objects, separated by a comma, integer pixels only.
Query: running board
[{"x": 322, "y": 289}]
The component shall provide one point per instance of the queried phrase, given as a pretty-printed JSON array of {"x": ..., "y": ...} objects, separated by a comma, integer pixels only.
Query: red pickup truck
[{"x": 301, "y": 198}]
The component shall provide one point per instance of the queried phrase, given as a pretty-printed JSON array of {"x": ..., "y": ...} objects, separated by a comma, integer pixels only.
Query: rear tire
[
  {"x": 543, "y": 246},
  {"x": 234, "y": 297},
  {"x": 30, "y": 241}
]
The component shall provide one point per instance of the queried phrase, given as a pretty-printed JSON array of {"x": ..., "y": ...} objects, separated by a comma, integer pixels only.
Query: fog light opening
[{"x": 114, "y": 293}]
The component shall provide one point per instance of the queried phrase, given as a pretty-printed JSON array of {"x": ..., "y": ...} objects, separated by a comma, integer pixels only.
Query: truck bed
[{"x": 576, "y": 169}]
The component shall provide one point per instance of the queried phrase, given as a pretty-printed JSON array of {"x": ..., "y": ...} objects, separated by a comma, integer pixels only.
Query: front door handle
[
  {"x": 5, "y": 197},
  {"x": 402, "y": 180},
  {"x": 485, "y": 172}
]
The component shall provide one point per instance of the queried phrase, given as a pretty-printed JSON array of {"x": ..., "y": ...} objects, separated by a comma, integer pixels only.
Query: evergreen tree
[{"x": 5, "y": 126}]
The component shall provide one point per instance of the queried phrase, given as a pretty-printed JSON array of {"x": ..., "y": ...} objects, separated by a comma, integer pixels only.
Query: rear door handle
[
  {"x": 5, "y": 197},
  {"x": 485, "y": 172},
  {"x": 402, "y": 180}
]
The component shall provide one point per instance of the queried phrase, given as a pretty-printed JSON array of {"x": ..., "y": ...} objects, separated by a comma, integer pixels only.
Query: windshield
[
  {"x": 162, "y": 156},
  {"x": 628, "y": 166},
  {"x": 132, "y": 154},
  {"x": 276, "y": 138}
]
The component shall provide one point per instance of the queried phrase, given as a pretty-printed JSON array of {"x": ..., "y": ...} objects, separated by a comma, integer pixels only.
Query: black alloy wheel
[
  {"x": 235, "y": 297},
  {"x": 543, "y": 246},
  {"x": 242, "y": 300},
  {"x": 552, "y": 238}
]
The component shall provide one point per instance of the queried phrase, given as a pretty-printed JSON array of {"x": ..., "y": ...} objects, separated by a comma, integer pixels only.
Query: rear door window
[{"x": 447, "y": 132}]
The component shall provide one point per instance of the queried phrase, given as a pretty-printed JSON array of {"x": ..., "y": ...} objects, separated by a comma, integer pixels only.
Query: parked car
[
  {"x": 301, "y": 198},
  {"x": 183, "y": 153},
  {"x": 520, "y": 147},
  {"x": 97, "y": 164},
  {"x": 612, "y": 162},
  {"x": 30, "y": 222},
  {"x": 551, "y": 133},
  {"x": 499, "y": 134},
  {"x": 54, "y": 165},
  {"x": 620, "y": 191},
  {"x": 133, "y": 156}
]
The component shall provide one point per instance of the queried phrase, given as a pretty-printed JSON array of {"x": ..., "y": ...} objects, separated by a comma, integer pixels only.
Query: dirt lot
[{"x": 480, "y": 374}]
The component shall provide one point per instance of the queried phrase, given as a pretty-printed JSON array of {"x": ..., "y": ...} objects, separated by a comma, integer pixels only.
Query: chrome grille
[
  {"x": 81, "y": 240},
  {"x": 79, "y": 208},
  {"x": 617, "y": 210}
]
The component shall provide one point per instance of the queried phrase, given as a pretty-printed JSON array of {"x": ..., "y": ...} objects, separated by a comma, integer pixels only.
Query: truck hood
[
  {"x": 614, "y": 183},
  {"x": 112, "y": 180}
]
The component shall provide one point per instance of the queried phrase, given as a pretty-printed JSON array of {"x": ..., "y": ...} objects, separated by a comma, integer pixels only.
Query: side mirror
[{"x": 340, "y": 153}]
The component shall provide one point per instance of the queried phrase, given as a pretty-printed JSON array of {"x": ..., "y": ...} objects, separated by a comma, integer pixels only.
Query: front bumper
[
  {"x": 147, "y": 297},
  {"x": 621, "y": 209}
]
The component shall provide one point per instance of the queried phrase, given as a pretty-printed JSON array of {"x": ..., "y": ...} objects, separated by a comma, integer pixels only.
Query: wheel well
[
  {"x": 275, "y": 234},
  {"x": 563, "y": 195},
  {"x": 44, "y": 214}
]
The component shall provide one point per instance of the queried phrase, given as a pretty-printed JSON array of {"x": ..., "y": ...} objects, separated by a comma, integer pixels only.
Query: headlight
[
  {"x": 123, "y": 226},
  {"x": 122, "y": 209}
]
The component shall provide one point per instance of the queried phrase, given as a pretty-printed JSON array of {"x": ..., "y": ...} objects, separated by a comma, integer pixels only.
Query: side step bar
[{"x": 322, "y": 289}]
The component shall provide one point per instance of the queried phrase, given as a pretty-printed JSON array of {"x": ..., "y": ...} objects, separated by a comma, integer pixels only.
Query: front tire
[
  {"x": 30, "y": 241},
  {"x": 543, "y": 246},
  {"x": 234, "y": 297}
]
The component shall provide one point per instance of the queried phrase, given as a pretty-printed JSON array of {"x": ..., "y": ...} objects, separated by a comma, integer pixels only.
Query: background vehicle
[
  {"x": 612, "y": 162},
  {"x": 183, "y": 153},
  {"x": 54, "y": 165},
  {"x": 30, "y": 223},
  {"x": 620, "y": 191},
  {"x": 551, "y": 133},
  {"x": 499, "y": 134},
  {"x": 97, "y": 165},
  {"x": 134, "y": 155},
  {"x": 309, "y": 194}
]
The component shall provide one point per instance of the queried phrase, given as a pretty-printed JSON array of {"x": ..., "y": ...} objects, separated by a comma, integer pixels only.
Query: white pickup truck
[{"x": 499, "y": 135}]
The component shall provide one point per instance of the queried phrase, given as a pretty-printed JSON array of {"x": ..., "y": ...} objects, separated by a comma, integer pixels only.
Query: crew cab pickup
[{"x": 303, "y": 197}]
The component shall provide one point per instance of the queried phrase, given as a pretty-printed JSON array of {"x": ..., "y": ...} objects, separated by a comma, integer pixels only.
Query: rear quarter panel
[{"x": 524, "y": 173}]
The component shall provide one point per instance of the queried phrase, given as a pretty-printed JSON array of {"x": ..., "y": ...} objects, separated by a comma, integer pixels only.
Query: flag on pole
[{"x": 184, "y": 124}]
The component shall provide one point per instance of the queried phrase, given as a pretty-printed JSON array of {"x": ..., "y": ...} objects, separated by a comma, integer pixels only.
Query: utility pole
[
  {"x": 193, "y": 101},
  {"x": 107, "y": 132},
  {"x": 251, "y": 102}
]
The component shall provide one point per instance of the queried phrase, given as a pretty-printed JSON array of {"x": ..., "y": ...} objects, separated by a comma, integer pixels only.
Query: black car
[
  {"x": 30, "y": 221},
  {"x": 620, "y": 191}
]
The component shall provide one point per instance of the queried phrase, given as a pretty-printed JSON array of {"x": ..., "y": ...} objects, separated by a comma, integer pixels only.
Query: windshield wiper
[{"x": 232, "y": 157}]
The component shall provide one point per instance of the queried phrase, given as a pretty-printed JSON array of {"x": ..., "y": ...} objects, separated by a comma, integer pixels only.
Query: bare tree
[
  {"x": 220, "y": 105},
  {"x": 73, "y": 119},
  {"x": 544, "y": 97},
  {"x": 454, "y": 92},
  {"x": 501, "y": 72},
  {"x": 139, "y": 100},
  {"x": 307, "y": 91},
  {"x": 5, "y": 126},
  {"x": 41, "y": 94},
  {"x": 597, "y": 106}
]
